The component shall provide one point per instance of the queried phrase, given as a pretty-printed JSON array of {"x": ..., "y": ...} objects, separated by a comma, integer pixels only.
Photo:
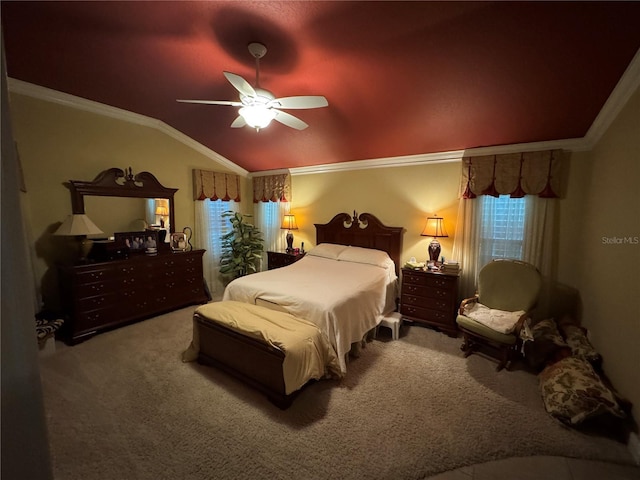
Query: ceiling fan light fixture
[{"x": 257, "y": 116}]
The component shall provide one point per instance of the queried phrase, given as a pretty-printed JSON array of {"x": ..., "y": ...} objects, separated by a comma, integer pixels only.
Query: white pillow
[
  {"x": 365, "y": 255},
  {"x": 327, "y": 250}
]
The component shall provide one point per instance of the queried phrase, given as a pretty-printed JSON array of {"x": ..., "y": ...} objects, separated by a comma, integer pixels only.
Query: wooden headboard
[{"x": 363, "y": 230}]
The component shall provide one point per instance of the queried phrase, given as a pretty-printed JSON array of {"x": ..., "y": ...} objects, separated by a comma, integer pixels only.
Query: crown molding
[
  {"x": 624, "y": 89},
  {"x": 404, "y": 161},
  {"x": 264, "y": 173},
  {"x": 49, "y": 95},
  {"x": 574, "y": 144}
]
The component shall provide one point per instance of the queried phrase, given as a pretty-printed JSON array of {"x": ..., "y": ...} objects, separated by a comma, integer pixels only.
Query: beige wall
[
  {"x": 58, "y": 143},
  {"x": 399, "y": 197},
  {"x": 604, "y": 204}
]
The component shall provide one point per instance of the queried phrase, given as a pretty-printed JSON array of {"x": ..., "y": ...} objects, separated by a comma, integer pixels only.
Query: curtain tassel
[
  {"x": 519, "y": 191},
  {"x": 491, "y": 189},
  {"x": 467, "y": 194},
  {"x": 548, "y": 192}
]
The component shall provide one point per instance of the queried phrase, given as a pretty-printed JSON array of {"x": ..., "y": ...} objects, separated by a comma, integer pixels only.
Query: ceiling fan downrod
[{"x": 257, "y": 50}]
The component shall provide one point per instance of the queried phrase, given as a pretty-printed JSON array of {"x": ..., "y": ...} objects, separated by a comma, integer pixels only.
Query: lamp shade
[
  {"x": 434, "y": 228},
  {"x": 162, "y": 210},
  {"x": 289, "y": 222},
  {"x": 77, "y": 224}
]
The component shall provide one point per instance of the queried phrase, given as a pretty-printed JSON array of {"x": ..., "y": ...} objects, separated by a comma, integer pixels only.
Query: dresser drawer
[
  {"x": 96, "y": 302},
  {"x": 88, "y": 320}
]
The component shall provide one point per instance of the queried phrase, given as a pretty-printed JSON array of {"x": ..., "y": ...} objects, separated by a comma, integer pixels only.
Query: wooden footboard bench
[{"x": 261, "y": 347}]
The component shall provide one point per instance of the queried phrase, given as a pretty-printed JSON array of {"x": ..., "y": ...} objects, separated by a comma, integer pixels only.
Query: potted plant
[{"x": 242, "y": 247}]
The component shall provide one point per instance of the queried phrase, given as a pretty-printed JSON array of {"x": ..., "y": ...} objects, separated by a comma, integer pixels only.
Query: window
[{"x": 502, "y": 227}]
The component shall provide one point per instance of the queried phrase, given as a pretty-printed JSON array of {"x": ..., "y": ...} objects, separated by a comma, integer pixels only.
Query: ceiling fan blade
[
  {"x": 308, "y": 101},
  {"x": 239, "y": 122},
  {"x": 289, "y": 120},
  {"x": 212, "y": 102},
  {"x": 240, "y": 84}
]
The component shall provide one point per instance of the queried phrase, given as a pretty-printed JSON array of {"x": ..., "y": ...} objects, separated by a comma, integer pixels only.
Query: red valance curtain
[
  {"x": 272, "y": 188},
  {"x": 514, "y": 174},
  {"x": 216, "y": 186}
]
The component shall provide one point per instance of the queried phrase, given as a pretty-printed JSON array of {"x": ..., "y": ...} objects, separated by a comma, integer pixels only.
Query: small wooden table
[
  {"x": 430, "y": 298},
  {"x": 282, "y": 259}
]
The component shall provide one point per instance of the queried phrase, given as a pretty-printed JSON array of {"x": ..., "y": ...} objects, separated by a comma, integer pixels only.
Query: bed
[{"x": 345, "y": 286}]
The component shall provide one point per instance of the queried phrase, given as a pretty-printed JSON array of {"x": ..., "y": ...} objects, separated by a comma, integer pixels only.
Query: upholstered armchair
[{"x": 492, "y": 320}]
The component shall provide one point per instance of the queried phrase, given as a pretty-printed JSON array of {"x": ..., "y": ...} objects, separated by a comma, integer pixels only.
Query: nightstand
[
  {"x": 282, "y": 259},
  {"x": 430, "y": 298}
]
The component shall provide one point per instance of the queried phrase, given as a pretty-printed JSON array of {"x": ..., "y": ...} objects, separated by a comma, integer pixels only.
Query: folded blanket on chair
[{"x": 498, "y": 320}]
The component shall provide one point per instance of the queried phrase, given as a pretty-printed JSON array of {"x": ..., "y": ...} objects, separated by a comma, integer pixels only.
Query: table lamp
[
  {"x": 79, "y": 226},
  {"x": 434, "y": 228},
  {"x": 162, "y": 211},
  {"x": 289, "y": 223}
]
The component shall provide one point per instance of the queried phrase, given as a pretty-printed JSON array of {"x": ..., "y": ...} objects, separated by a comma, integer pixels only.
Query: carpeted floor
[{"x": 123, "y": 405}]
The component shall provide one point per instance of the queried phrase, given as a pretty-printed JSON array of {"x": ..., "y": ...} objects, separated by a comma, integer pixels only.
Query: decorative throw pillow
[
  {"x": 580, "y": 346},
  {"x": 547, "y": 345},
  {"x": 573, "y": 392}
]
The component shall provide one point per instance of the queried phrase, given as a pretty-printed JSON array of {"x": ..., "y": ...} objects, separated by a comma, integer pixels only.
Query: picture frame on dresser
[
  {"x": 137, "y": 242},
  {"x": 178, "y": 242}
]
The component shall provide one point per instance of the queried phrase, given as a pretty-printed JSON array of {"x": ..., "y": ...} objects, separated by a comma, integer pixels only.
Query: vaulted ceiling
[{"x": 401, "y": 78}]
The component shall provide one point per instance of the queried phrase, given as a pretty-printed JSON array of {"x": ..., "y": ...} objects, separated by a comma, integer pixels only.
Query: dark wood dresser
[
  {"x": 282, "y": 259},
  {"x": 100, "y": 296},
  {"x": 430, "y": 298}
]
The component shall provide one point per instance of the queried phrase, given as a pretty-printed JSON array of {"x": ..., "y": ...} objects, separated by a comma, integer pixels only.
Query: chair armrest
[
  {"x": 465, "y": 302},
  {"x": 520, "y": 324}
]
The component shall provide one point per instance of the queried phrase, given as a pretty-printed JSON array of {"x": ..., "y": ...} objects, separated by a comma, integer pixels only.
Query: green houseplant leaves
[{"x": 242, "y": 247}]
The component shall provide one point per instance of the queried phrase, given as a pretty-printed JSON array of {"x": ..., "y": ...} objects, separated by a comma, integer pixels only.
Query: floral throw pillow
[
  {"x": 580, "y": 345},
  {"x": 573, "y": 392},
  {"x": 547, "y": 345}
]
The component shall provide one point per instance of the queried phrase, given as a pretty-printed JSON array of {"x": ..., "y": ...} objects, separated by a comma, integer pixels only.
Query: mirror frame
[{"x": 115, "y": 182}]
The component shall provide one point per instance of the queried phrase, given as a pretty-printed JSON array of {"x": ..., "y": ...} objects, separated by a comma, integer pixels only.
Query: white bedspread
[{"x": 344, "y": 299}]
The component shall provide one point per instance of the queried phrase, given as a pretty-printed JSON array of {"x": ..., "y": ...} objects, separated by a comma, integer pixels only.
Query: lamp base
[
  {"x": 289, "y": 242},
  {"x": 434, "y": 251},
  {"x": 85, "y": 245}
]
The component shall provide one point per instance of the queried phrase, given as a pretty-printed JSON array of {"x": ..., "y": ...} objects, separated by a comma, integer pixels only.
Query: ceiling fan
[{"x": 259, "y": 106}]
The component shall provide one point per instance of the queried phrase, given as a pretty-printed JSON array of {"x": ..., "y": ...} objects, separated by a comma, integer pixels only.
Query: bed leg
[{"x": 282, "y": 402}]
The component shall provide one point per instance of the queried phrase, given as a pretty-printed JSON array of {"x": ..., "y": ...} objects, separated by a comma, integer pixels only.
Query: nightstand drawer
[
  {"x": 426, "y": 302},
  {"x": 431, "y": 280},
  {"x": 427, "y": 314},
  {"x": 413, "y": 289},
  {"x": 427, "y": 292}
]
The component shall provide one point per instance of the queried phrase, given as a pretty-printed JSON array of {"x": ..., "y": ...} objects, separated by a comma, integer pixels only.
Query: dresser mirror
[{"x": 119, "y": 201}]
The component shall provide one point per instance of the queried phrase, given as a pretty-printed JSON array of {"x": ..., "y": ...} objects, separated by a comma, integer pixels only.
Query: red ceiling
[{"x": 401, "y": 78}]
